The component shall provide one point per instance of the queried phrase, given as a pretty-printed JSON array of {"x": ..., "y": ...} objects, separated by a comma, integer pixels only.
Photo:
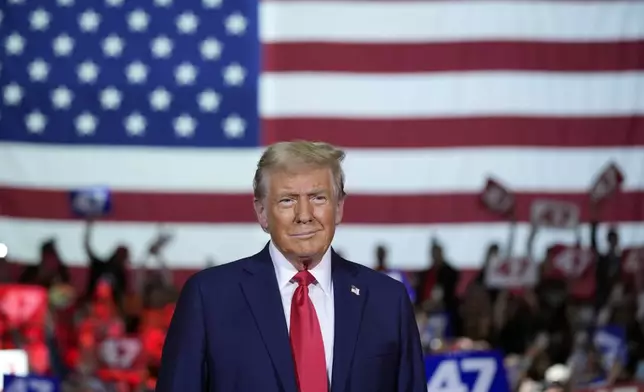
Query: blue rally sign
[
  {"x": 466, "y": 371},
  {"x": 30, "y": 384},
  {"x": 91, "y": 202}
]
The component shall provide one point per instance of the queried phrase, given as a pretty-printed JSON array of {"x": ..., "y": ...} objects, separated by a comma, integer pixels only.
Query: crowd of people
[
  {"x": 109, "y": 334},
  {"x": 105, "y": 336}
]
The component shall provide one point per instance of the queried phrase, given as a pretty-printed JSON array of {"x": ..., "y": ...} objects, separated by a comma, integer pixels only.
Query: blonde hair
[{"x": 296, "y": 154}]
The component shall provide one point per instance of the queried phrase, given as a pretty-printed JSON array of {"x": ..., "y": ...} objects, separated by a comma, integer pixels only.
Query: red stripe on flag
[
  {"x": 237, "y": 208},
  {"x": 78, "y": 275},
  {"x": 453, "y": 56},
  {"x": 460, "y": 132}
]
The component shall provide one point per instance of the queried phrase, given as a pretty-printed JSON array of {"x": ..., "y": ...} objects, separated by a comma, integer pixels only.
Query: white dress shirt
[{"x": 321, "y": 294}]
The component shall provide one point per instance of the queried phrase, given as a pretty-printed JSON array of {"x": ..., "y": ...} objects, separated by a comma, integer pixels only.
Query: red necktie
[{"x": 306, "y": 338}]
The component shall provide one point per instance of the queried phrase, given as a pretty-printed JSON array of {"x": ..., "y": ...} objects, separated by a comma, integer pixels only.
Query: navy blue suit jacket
[{"x": 229, "y": 333}]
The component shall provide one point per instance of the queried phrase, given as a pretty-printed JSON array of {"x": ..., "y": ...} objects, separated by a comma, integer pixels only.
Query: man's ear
[
  {"x": 260, "y": 212},
  {"x": 339, "y": 211}
]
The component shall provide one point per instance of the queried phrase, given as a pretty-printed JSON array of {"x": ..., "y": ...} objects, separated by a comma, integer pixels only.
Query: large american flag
[{"x": 169, "y": 103}]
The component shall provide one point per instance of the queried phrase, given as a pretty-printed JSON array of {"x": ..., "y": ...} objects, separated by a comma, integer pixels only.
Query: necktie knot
[{"x": 304, "y": 278}]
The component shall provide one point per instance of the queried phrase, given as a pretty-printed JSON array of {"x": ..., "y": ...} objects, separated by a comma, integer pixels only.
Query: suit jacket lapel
[
  {"x": 263, "y": 296},
  {"x": 350, "y": 297}
]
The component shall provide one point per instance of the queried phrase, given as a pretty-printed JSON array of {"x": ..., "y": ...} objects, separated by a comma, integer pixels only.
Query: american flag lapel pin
[{"x": 355, "y": 290}]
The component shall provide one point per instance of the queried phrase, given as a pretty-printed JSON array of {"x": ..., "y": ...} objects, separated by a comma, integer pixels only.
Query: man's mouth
[{"x": 305, "y": 235}]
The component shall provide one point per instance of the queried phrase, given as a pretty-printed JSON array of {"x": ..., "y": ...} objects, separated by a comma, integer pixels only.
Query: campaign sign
[
  {"x": 13, "y": 362},
  {"x": 466, "y": 371},
  {"x": 120, "y": 352},
  {"x": 437, "y": 326},
  {"x": 608, "y": 181},
  {"x": 576, "y": 265},
  {"x": 513, "y": 272},
  {"x": 91, "y": 202},
  {"x": 554, "y": 213},
  {"x": 20, "y": 304},
  {"x": 14, "y": 383},
  {"x": 610, "y": 341},
  {"x": 497, "y": 198}
]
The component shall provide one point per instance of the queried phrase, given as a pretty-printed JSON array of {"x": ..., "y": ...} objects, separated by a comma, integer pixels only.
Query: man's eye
[
  {"x": 319, "y": 198},
  {"x": 286, "y": 201}
]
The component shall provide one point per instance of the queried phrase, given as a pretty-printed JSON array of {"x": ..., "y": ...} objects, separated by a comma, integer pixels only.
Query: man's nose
[{"x": 303, "y": 211}]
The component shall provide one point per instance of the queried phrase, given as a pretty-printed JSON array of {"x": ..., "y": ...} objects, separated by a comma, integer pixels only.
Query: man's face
[{"x": 300, "y": 211}]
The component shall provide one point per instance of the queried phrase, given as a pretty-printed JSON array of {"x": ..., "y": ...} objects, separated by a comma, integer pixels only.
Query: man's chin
[{"x": 308, "y": 253}]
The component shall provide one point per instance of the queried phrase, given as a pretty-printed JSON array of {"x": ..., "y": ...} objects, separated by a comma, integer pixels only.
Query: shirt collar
[{"x": 285, "y": 271}]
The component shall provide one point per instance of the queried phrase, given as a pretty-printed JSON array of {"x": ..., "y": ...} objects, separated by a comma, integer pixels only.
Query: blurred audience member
[
  {"x": 50, "y": 270},
  {"x": 113, "y": 270},
  {"x": 439, "y": 284}
]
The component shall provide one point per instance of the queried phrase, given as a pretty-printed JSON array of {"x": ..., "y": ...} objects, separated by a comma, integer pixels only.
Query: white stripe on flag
[
  {"x": 408, "y": 245},
  {"x": 372, "y": 171},
  {"x": 444, "y": 21},
  {"x": 445, "y": 94}
]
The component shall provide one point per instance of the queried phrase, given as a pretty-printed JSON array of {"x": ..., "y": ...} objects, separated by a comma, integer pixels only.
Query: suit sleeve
[
  {"x": 411, "y": 371},
  {"x": 183, "y": 366}
]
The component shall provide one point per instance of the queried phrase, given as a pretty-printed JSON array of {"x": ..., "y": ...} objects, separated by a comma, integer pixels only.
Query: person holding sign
[{"x": 295, "y": 317}]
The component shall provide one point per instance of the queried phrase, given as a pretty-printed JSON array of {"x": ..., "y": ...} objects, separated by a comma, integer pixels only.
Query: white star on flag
[
  {"x": 14, "y": 44},
  {"x": 38, "y": 70},
  {"x": 89, "y": 21},
  {"x": 160, "y": 99},
  {"x": 63, "y": 45},
  {"x": 112, "y": 46},
  {"x": 138, "y": 20},
  {"x": 211, "y": 3},
  {"x": 185, "y": 74},
  {"x": 163, "y": 3},
  {"x": 39, "y": 20},
  {"x": 161, "y": 47},
  {"x": 85, "y": 124},
  {"x": 236, "y": 24},
  {"x": 234, "y": 126},
  {"x": 110, "y": 98},
  {"x": 62, "y": 97},
  {"x": 208, "y": 100},
  {"x": 13, "y": 94},
  {"x": 35, "y": 122},
  {"x": 135, "y": 124},
  {"x": 234, "y": 75},
  {"x": 114, "y": 3},
  {"x": 87, "y": 72},
  {"x": 136, "y": 72},
  {"x": 210, "y": 49},
  {"x": 187, "y": 23},
  {"x": 184, "y": 126},
  {"x": 65, "y": 3}
]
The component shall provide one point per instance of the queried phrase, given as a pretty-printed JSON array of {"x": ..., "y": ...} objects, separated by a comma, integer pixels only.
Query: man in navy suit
[{"x": 295, "y": 316}]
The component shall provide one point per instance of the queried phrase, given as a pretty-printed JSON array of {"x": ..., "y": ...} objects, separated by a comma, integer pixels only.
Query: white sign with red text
[
  {"x": 497, "y": 198},
  {"x": 607, "y": 182},
  {"x": 120, "y": 353},
  {"x": 511, "y": 272},
  {"x": 554, "y": 213},
  {"x": 572, "y": 262}
]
